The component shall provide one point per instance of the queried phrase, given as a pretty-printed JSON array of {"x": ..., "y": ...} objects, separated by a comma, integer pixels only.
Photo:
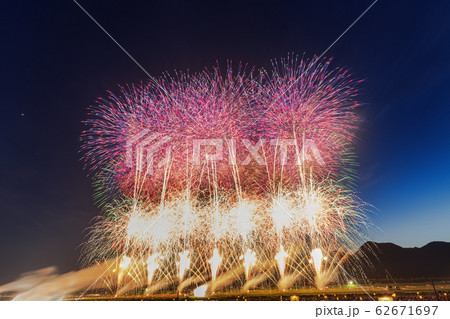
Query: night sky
[{"x": 55, "y": 62}]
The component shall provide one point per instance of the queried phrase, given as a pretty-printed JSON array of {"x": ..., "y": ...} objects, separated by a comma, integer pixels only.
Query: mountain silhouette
[{"x": 390, "y": 261}]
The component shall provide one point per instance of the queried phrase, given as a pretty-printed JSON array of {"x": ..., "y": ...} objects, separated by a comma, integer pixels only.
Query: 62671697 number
[{"x": 406, "y": 310}]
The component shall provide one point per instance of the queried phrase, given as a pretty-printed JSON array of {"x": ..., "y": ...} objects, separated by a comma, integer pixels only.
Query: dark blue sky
[{"x": 55, "y": 62}]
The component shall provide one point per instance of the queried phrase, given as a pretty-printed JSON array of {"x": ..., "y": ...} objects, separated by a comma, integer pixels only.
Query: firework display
[{"x": 235, "y": 180}]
